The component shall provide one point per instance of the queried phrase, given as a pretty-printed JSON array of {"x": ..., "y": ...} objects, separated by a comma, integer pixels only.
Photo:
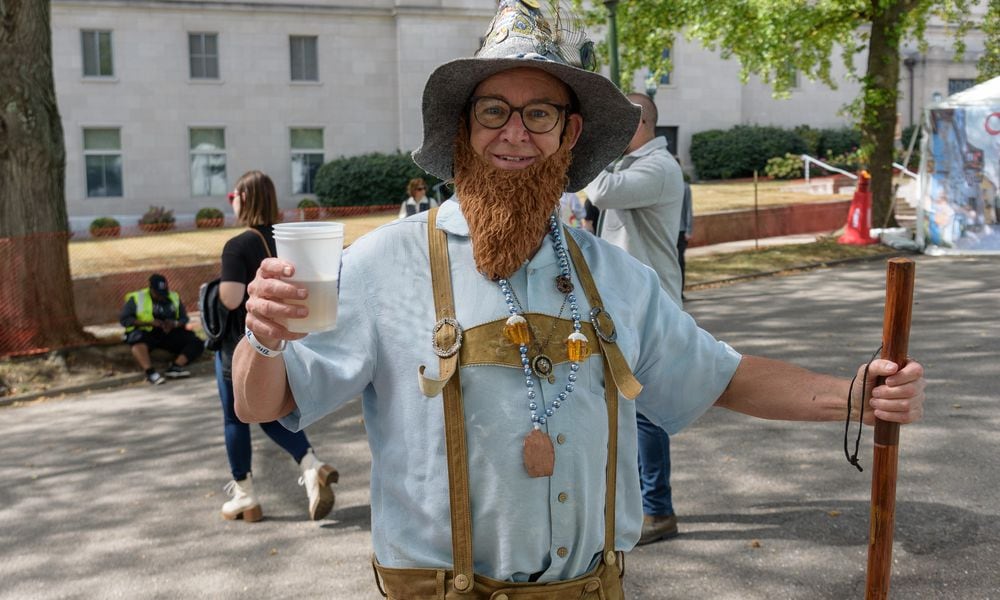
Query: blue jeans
[
  {"x": 654, "y": 468},
  {"x": 238, "y": 433}
]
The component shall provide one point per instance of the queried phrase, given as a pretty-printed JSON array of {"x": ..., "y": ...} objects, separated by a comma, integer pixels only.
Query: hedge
[
  {"x": 737, "y": 152},
  {"x": 368, "y": 179}
]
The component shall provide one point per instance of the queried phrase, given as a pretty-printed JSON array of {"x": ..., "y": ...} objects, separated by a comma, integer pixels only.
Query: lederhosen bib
[{"x": 479, "y": 346}]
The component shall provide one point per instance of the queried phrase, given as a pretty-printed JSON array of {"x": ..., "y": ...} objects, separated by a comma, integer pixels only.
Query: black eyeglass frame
[{"x": 562, "y": 109}]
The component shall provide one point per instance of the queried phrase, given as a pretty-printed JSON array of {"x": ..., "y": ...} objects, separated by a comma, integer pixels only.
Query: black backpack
[{"x": 215, "y": 317}]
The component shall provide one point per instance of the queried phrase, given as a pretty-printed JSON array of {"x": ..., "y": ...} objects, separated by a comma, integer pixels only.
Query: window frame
[
  {"x": 961, "y": 83},
  {"x": 96, "y": 33},
  {"x": 204, "y": 56},
  {"x": 293, "y": 151},
  {"x": 192, "y": 152},
  {"x": 104, "y": 153},
  {"x": 304, "y": 76}
]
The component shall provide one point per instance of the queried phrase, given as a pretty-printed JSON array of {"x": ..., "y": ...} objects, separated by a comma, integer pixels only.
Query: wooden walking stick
[{"x": 895, "y": 339}]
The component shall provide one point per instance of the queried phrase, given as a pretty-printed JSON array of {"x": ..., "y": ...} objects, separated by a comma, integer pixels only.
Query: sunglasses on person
[{"x": 537, "y": 117}]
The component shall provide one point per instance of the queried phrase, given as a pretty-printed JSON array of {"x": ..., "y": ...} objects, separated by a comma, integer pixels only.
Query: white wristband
[{"x": 261, "y": 348}]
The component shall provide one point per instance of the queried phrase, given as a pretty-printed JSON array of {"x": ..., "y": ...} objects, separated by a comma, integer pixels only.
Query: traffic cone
[{"x": 857, "y": 230}]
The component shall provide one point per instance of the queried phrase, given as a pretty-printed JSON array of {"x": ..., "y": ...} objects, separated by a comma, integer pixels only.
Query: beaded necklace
[{"x": 539, "y": 453}]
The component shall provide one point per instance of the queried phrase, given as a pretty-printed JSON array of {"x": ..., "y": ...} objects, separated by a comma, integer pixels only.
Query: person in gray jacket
[{"x": 641, "y": 198}]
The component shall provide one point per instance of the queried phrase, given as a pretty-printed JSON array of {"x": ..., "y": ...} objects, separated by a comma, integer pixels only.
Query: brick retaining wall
[
  {"x": 734, "y": 225},
  {"x": 100, "y": 298}
]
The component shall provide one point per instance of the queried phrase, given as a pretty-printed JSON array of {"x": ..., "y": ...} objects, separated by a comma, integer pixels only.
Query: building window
[
  {"x": 665, "y": 78},
  {"x": 957, "y": 85},
  {"x": 102, "y": 155},
  {"x": 669, "y": 132},
  {"x": 208, "y": 162},
  {"x": 307, "y": 158},
  {"x": 304, "y": 58},
  {"x": 97, "y": 60},
  {"x": 203, "y": 49}
]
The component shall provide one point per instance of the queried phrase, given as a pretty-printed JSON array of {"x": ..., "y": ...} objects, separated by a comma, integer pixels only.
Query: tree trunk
[
  {"x": 881, "y": 87},
  {"x": 36, "y": 306}
]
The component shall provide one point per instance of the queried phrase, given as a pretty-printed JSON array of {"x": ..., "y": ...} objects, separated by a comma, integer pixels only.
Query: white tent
[{"x": 959, "y": 209}]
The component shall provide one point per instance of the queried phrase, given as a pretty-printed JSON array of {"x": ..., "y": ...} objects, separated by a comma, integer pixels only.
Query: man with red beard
[{"x": 500, "y": 356}]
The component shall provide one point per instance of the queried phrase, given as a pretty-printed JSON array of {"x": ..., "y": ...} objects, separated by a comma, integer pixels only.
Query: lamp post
[{"x": 612, "y": 6}]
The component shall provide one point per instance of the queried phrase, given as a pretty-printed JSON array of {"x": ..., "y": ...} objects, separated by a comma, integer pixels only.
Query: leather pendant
[{"x": 539, "y": 454}]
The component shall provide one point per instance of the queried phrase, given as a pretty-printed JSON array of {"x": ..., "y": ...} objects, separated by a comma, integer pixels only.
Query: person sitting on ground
[
  {"x": 154, "y": 317},
  {"x": 418, "y": 201}
]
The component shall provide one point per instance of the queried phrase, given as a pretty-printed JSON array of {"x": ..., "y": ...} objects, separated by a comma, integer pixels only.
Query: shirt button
[
  {"x": 562, "y": 551},
  {"x": 561, "y": 438},
  {"x": 563, "y": 496}
]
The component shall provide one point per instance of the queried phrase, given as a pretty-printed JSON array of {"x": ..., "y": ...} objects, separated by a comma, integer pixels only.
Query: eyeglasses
[
  {"x": 538, "y": 117},
  {"x": 419, "y": 189}
]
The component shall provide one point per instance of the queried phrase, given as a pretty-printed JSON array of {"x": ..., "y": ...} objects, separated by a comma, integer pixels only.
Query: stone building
[{"x": 168, "y": 102}]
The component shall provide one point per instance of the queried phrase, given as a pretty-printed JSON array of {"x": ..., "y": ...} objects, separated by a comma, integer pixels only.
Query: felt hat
[{"x": 540, "y": 35}]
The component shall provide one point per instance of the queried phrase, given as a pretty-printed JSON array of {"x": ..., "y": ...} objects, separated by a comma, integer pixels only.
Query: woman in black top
[{"x": 255, "y": 204}]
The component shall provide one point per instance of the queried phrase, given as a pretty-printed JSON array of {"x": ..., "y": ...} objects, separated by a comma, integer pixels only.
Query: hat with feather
[{"x": 542, "y": 35}]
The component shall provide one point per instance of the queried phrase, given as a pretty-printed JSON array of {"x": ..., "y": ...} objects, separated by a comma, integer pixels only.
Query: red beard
[{"x": 507, "y": 211}]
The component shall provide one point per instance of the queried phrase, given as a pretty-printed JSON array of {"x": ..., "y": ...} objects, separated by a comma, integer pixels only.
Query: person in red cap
[{"x": 154, "y": 317}]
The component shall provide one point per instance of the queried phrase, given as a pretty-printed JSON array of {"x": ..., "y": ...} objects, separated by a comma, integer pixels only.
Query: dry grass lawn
[{"x": 729, "y": 195}]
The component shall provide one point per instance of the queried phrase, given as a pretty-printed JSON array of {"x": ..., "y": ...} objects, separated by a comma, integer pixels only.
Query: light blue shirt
[{"x": 383, "y": 335}]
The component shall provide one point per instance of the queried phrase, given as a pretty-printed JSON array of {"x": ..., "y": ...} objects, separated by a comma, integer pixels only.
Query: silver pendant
[{"x": 542, "y": 367}]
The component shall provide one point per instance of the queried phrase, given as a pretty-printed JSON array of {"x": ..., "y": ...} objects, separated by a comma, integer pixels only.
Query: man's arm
[
  {"x": 772, "y": 389},
  {"x": 260, "y": 383},
  {"x": 127, "y": 317},
  {"x": 638, "y": 185}
]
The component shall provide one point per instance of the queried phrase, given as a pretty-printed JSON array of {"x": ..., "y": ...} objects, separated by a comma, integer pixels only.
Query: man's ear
[{"x": 574, "y": 127}]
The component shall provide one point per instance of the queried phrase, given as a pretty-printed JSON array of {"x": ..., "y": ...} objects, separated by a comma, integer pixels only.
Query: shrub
[
  {"x": 368, "y": 179},
  {"x": 209, "y": 217},
  {"x": 105, "y": 227},
  {"x": 739, "y": 151},
  {"x": 811, "y": 137},
  {"x": 838, "y": 141},
  {"x": 310, "y": 209},
  {"x": 788, "y": 166},
  {"x": 157, "y": 218}
]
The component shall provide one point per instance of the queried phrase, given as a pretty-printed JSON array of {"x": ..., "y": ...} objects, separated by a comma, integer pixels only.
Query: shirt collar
[{"x": 652, "y": 145}]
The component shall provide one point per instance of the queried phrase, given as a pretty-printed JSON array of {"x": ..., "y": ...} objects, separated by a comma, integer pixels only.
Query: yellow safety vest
[{"x": 144, "y": 306}]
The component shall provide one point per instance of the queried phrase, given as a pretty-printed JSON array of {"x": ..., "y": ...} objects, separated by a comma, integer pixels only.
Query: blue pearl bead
[
  {"x": 549, "y": 412},
  {"x": 541, "y": 420},
  {"x": 571, "y": 298},
  {"x": 571, "y": 377},
  {"x": 562, "y": 395},
  {"x": 531, "y": 394},
  {"x": 528, "y": 382},
  {"x": 574, "y": 367},
  {"x": 527, "y": 371},
  {"x": 569, "y": 387},
  {"x": 532, "y": 406},
  {"x": 556, "y": 404},
  {"x": 535, "y": 418},
  {"x": 524, "y": 361}
]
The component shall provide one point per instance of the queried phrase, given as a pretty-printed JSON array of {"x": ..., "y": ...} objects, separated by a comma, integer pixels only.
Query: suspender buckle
[
  {"x": 442, "y": 336},
  {"x": 597, "y": 315}
]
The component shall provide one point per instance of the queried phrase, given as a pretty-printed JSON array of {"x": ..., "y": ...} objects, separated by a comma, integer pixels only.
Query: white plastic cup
[{"x": 314, "y": 249}]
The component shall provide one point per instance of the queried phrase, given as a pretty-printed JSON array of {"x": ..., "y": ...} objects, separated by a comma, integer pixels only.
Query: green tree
[
  {"x": 776, "y": 38},
  {"x": 989, "y": 62},
  {"x": 37, "y": 307}
]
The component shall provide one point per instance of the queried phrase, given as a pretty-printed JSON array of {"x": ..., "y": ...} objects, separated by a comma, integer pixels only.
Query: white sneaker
[
  {"x": 243, "y": 502},
  {"x": 317, "y": 477}
]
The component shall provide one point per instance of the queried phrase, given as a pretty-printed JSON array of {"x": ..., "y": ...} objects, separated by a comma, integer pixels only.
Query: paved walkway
[{"x": 116, "y": 494}]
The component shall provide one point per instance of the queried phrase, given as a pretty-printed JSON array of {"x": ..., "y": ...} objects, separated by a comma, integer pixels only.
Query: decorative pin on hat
[{"x": 544, "y": 35}]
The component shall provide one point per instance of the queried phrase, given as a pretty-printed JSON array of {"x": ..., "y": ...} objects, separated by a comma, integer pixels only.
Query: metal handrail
[{"x": 806, "y": 159}]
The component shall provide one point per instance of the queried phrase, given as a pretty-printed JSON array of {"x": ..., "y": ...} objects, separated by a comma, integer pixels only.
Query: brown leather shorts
[{"x": 604, "y": 582}]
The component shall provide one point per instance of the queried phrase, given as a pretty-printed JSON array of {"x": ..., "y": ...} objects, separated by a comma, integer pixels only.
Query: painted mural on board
[{"x": 961, "y": 199}]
